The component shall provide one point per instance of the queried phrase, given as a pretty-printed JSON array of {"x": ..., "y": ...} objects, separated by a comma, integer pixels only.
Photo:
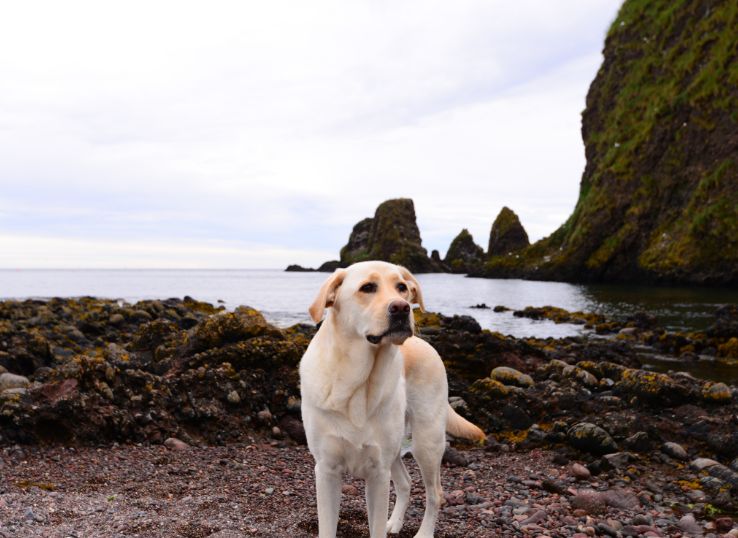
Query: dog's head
[{"x": 371, "y": 299}]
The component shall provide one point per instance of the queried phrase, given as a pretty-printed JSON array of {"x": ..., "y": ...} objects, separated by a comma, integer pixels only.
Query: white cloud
[{"x": 283, "y": 123}]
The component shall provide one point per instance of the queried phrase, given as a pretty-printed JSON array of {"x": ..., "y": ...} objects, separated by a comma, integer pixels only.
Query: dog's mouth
[{"x": 396, "y": 334}]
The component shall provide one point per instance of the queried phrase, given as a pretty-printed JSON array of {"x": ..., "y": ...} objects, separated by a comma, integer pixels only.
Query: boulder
[
  {"x": 591, "y": 438},
  {"x": 510, "y": 376}
]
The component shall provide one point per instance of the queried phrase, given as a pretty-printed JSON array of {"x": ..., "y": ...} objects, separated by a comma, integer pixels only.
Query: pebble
[
  {"x": 172, "y": 443},
  {"x": 724, "y": 524},
  {"x": 580, "y": 472},
  {"x": 675, "y": 450},
  {"x": 13, "y": 381},
  {"x": 455, "y": 498},
  {"x": 349, "y": 489},
  {"x": 702, "y": 463},
  {"x": 537, "y": 517},
  {"x": 688, "y": 524},
  {"x": 264, "y": 416},
  {"x": 234, "y": 397}
]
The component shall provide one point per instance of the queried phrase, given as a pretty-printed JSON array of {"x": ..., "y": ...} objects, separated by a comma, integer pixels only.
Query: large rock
[
  {"x": 658, "y": 199},
  {"x": 392, "y": 235},
  {"x": 507, "y": 234},
  {"x": 591, "y": 438},
  {"x": 464, "y": 254}
]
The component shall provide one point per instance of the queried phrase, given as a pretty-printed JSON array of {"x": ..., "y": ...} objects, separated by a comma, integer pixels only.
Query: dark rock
[
  {"x": 591, "y": 438},
  {"x": 455, "y": 458},
  {"x": 294, "y": 268},
  {"x": 639, "y": 442},
  {"x": 330, "y": 266},
  {"x": 294, "y": 428}
]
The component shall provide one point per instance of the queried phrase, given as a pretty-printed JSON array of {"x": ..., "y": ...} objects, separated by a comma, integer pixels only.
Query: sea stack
[
  {"x": 392, "y": 235},
  {"x": 507, "y": 234},
  {"x": 464, "y": 254}
]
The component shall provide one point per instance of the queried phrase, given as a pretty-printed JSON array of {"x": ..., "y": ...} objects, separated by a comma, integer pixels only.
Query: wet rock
[
  {"x": 510, "y": 376},
  {"x": 675, "y": 450},
  {"x": 591, "y": 438}
]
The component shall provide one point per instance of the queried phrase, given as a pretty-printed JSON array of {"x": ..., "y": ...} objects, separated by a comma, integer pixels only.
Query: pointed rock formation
[
  {"x": 392, "y": 235},
  {"x": 507, "y": 234},
  {"x": 464, "y": 254}
]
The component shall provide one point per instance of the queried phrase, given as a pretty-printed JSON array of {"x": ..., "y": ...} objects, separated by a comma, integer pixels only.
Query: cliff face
[
  {"x": 658, "y": 199},
  {"x": 392, "y": 235}
]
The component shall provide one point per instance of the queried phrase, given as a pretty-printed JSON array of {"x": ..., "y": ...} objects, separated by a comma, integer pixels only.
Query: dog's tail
[{"x": 458, "y": 426}]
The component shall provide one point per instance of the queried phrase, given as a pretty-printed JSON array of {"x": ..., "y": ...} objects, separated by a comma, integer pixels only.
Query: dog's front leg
[
  {"x": 328, "y": 492},
  {"x": 377, "y": 502}
]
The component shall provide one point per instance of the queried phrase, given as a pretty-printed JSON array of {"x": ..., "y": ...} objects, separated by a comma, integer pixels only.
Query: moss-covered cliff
[{"x": 658, "y": 200}]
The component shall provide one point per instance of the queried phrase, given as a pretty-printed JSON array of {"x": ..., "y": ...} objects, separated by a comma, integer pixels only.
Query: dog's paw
[{"x": 393, "y": 527}]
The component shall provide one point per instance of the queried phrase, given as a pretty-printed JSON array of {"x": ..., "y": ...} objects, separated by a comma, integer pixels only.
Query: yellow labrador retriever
[{"x": 365, "y": 380}]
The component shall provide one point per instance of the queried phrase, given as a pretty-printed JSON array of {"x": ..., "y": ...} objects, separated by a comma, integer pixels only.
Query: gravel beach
[{"x": 266, "y": 489}]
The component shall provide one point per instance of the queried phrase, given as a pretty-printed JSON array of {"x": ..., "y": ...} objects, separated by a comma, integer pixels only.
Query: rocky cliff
[
  {"x": 391, "y": 235},
  {"x": 658, "y": 199}
]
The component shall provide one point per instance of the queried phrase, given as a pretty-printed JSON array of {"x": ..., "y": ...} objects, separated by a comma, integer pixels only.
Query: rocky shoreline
[{"x": 578, "y": 422}]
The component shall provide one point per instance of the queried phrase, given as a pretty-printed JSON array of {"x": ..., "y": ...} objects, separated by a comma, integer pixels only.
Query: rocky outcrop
[
  {"x": 507, "y": 234},
  {"x": 658, "y": 200},
  {"x": 392, "y": 235},
  {"x": 464, "y": 254}
]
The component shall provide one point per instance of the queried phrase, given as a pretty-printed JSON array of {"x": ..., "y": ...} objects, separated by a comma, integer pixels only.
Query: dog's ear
[
  {"x": 326, "y": 295},
  {"x": 416, "y": 294}
]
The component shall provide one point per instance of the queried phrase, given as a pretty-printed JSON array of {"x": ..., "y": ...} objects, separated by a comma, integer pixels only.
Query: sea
[{"x": 284, "y": 297}]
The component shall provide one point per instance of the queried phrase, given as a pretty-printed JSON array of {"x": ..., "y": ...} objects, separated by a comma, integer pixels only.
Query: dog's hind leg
[
  {"x": 377, "y": 503},
  {"x": 328, "y": 493},
  {"x": 429, "y": 442},
  {"x": 401, "y": 480}
]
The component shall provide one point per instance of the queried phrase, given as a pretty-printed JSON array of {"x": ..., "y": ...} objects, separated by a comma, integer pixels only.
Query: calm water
[{"x": 284, "y": 297}]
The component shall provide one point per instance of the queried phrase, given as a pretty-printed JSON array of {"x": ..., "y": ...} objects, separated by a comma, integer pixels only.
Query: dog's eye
[
  {"x": 402, "y": 288},
  {"x": 369, "y": 287}
]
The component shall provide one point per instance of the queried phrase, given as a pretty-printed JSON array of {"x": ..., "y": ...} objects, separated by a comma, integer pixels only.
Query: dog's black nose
[{"x": 399, "y": 307}]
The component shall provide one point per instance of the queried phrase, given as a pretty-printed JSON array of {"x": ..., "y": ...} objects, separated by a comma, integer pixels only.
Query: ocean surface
[{"x": 284, "y": 297}]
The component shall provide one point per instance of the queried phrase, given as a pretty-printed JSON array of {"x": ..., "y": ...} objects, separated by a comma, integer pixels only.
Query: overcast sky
[{"x": 255, "y": 134}]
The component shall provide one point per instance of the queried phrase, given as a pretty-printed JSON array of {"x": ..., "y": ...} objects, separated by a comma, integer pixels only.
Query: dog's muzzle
[{"x": 399, "y": 327}]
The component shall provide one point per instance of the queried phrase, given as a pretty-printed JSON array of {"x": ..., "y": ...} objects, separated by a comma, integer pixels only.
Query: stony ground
[{"x": 261, "y": 489}]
